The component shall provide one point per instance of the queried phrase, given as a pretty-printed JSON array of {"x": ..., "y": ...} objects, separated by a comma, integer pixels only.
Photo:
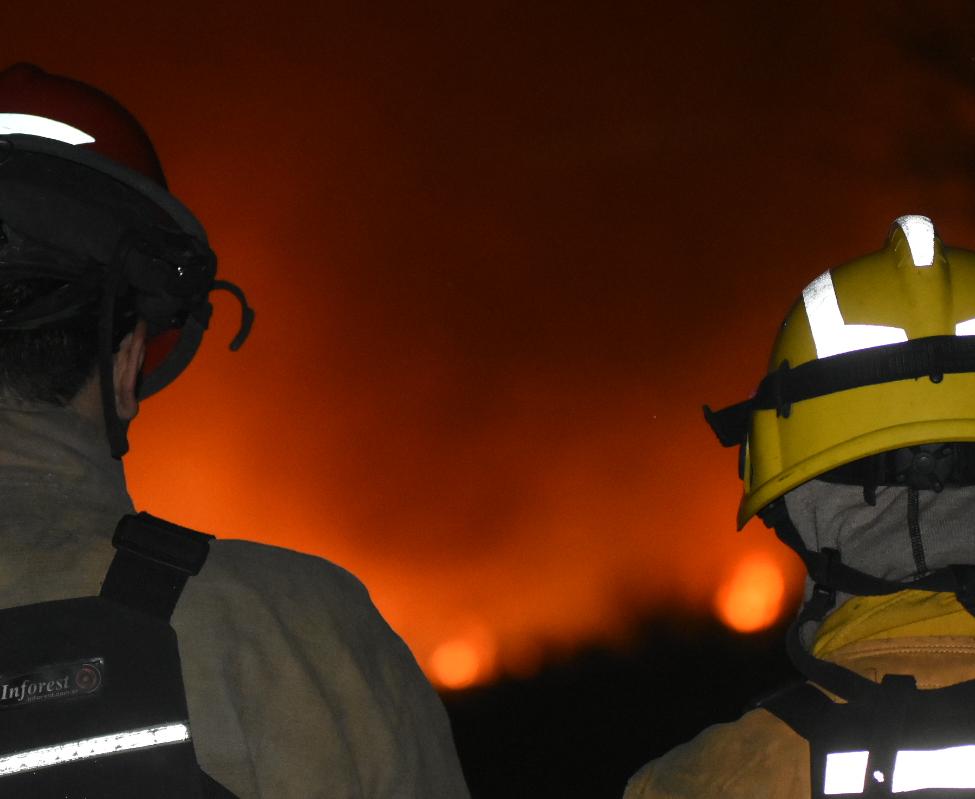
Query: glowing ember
[
  {"x": 751, "y": 599},
  {"x": 463, "y": 660},
  {"x": 456, "y": 664}
]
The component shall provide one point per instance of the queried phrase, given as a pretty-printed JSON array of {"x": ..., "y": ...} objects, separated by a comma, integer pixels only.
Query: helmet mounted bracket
[{"x": 129, "y": 249}]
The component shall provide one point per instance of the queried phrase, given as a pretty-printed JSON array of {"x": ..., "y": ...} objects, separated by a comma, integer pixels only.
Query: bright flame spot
[
  {"x": 456, "y": 664},
  {"x": 469, "y": 657},
  {"x": 751, "y": 598}
]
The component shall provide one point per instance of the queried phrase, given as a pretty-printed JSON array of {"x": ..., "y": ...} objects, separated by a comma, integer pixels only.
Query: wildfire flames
[
  {"x": 752, "y": 597},
  {"x": 463, "y": 661},
  {"x": 573, "y": 571},
  {"x": 499, "y": 257}
]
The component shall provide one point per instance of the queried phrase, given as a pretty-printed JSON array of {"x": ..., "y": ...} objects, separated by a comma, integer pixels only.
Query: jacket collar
[{"x": 58, "y": 481}]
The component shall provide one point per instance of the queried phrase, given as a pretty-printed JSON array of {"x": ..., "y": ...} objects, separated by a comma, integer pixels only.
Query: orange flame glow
[
  {"x": 463, "y": 661},
  {"x": 752, "y": 598}
]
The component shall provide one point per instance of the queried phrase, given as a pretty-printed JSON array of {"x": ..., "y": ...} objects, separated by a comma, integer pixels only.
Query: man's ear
[{"x": 128, "y": 363}]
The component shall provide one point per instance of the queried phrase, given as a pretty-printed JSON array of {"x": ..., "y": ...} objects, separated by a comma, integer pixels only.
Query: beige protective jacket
[
  {"x": 297, "y": 688},
  {"x": 760, "y": 756}
]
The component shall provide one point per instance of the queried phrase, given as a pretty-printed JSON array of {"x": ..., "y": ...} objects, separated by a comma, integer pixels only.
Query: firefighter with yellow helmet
[{"x": 858, "y": 449}]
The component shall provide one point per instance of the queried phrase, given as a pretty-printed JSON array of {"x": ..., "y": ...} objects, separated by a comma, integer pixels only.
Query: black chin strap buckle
[
  {"x": 823, "y": 598},
  {"x": 824, "y": 572},
  {"x": 822, "y": 601}
]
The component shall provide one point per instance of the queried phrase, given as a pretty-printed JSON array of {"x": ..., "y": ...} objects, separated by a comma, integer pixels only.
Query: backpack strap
[
  {"x": 153, "y": 560},
  {"x": 800, "y": 705}
]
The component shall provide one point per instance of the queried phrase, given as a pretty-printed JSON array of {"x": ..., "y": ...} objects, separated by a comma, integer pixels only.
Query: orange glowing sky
[{"x": 500, "y": 257}]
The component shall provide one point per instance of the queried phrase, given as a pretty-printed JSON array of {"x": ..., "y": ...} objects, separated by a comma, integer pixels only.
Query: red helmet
[
  {"x": 80, "y": 176},
  {"x": 33, "y": 101}
]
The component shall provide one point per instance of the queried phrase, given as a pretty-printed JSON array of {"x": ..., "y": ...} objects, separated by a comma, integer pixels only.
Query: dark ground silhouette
[{"x": 582, "y": 726}]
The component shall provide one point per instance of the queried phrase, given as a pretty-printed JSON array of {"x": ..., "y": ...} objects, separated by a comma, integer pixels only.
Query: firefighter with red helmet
[
  {"x": 286, "y": 682},
  {"x": 858, "y": 449}
]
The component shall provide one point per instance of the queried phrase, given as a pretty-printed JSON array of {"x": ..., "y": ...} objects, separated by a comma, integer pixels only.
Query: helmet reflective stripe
[
  {"x": 44, "y": 127},
  {"x": 74, "y": 751},
  {"x": 919, "y": 232},
  {"x": 914, "y": 770},
  {"x": 926, "y": 310},
  {"x": 831, "y": 334},
  {"x": 846, "y": 772}
]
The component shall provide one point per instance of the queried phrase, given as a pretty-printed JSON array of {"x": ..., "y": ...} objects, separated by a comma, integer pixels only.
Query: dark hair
[{"x": 49, "y": 364}]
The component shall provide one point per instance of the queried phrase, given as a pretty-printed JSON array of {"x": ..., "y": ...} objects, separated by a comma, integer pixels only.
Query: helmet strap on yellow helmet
[{"x": 932, "y": 357}]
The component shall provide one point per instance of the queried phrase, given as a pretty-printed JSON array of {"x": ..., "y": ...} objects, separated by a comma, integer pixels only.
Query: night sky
[{"x": 501, "y": 254}]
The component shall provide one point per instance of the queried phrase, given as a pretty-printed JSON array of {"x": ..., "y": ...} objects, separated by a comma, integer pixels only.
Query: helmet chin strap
[
  {"x": 827, "y": 570},
  {"x": 115, "y": 429}
]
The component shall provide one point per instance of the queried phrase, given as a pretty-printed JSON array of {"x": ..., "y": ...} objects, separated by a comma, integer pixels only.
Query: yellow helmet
[{"x": 876, "y": 355}]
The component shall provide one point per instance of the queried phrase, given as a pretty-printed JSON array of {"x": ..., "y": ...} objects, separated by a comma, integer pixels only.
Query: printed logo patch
[{"x": 53, "y": 682}]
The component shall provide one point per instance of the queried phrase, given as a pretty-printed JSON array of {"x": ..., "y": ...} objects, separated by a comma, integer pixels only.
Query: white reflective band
[
  {"x": 919, "y": 232},
  {"x": 845, "y": 772},
  {"x": 41, "y": 126},
  {"x": 74, "y": 751},
  {"x": 966, "y": 328},
  {"x": 915, "y": 770},
  {"x": 830, "y": 333}
]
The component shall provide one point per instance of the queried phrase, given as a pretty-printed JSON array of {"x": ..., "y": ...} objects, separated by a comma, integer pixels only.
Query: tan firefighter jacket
[{"x": 297, "y": 688}]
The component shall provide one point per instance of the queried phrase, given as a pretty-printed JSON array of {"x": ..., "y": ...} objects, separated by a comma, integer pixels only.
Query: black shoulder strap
[
  {"x": 800, "y": 705},
  {"x": 153, "y": 560}
]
